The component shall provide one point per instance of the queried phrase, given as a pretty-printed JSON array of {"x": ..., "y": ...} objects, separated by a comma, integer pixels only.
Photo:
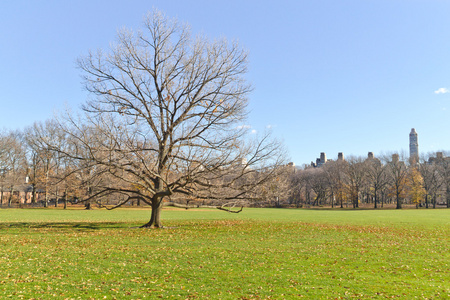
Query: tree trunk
[
  {"x": 155, "y": 220},
  {"x": 332, "y": 200},
  {"x": 56, "y": 197},
  {"x": 375, "y": 200},
  {"x": 426, "y": 200},
  {"x": 399, "y": 204},
  {"x": 315, "y": 201},
  {"x": 447, "y": 196},
  {"x": 33, "y": 194},
  {"x": 65, "y": 199},
  {"x": 10, "y": 196},
  {"x": 46, "y": 190}
]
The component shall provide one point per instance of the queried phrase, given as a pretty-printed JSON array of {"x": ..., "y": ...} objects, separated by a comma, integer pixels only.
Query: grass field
[{"x": 209, "y": 254}]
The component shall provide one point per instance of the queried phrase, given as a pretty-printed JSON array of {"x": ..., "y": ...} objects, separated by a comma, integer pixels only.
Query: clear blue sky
[{"x": 329, "y": 76}]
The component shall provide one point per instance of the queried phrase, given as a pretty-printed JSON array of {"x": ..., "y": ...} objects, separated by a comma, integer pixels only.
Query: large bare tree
[{"x": 167, "y": 117}]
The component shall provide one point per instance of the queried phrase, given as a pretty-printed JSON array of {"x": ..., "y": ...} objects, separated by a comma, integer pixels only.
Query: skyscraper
[{"x": 413, "y": 144}]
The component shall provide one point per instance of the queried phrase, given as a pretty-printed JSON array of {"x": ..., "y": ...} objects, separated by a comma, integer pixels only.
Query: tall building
[
  {"x": 320, "y": 161},
  {"x": 413, "y": 144}
]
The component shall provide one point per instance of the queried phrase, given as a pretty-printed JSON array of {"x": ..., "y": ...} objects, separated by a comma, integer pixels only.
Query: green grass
[{"x": 256, "y": 254}]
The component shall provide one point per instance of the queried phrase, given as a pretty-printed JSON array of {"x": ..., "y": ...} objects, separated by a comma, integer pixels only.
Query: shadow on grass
[{"x": 67, "y": 225}]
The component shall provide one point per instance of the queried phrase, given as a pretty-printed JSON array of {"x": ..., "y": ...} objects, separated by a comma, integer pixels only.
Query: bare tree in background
[
  {"x": 12, "y": 164},
  {"x": 443, "y": 163},
  {"x": 432, "y": 178},
  {"x": 398, "y": 172},
  {"x": 335, "y": 172},
  {"x": 276, "y": 192},
  {"x": 356, "y": 175},
  {"x": 167, "y": 118},
  {"x": 377, "y": 178},
  {"x": 319, "y": 184},
  {"x": 45, "y": 165},
  {"x": 300, "y": 186}
]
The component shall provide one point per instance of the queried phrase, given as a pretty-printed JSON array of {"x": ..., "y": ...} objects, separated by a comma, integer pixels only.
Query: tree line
[
  {"x": 392, "y": 179},
  {"x": 50, "y": 165}
]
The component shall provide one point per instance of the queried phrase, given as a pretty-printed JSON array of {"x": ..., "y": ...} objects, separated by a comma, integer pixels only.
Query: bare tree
[
  {"x": 4, "y": 148},
  {"x": 432, "y": 178},
  {"x": 398, "y": 172},
  {"x": 335, "y": 172},
  {"x": 301, "y": 186},
  {"x": 443, "y": 163},
  {"x": 356, "y": 176},
  {"x": 319, "y": 185},
  {"x": 377, "y": 177},
  {"x": 12, "y": 164},
  {"x": 167, "y": 118},
  {"x": 277, "y": 190},
  {"x": 45, "y": 165}
]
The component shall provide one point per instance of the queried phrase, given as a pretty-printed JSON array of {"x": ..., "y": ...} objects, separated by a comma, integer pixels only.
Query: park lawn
[{"x": 256, "y": 254}]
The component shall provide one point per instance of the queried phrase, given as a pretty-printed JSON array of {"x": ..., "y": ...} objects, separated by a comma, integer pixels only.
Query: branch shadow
[{"x": 84, "y": 226}]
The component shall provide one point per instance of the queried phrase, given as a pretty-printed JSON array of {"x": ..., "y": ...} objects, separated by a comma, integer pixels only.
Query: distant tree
[
  {"x": 443, "y": 163},
  {"x": 356, "y": 174},
  {"x": 296, "y": 189},
  {"x": 432, "y": 178},
  {"x": 335, "y": 172},
  {"x": 416, "y": 189},
  {"x": 277, "y": 190},
  {"x": 44, "y": 163},
  {"x": 33, "y": 171},
  {"x": 377, "y": 178},
  {"x": 319, "y": 185},
  {"x": 167, "y": 118},
  {"x": 301, "y": 186},
  {"x": 4, "y": 148},
  {"x": 398, "y": 172},
  {"x": 12, "y": 164}
]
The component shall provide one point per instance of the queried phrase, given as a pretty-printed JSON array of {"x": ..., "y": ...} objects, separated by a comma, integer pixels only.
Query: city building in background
[
  {"x": 413, "y": 145},
  {"x": 413, "y": 151}
]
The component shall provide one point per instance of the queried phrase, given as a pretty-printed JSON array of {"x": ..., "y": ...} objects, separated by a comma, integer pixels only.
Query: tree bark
[
  {"x": 375, "y": 200},
  {"x": 447, "y": 196},
  {"x": 46, "y": 190},
  {"x": 65, "y": 199},
  {"x": 399, "y": 204},
  {"x": 155, "y": 219},
  {"x": 33, "y": 194},
  {"x": 56, "y": 197},
  {"x": 10, "y": 196}
]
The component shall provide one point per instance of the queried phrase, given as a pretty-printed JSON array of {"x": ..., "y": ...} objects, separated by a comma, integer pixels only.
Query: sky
[{"x": 328, "y": 76}]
